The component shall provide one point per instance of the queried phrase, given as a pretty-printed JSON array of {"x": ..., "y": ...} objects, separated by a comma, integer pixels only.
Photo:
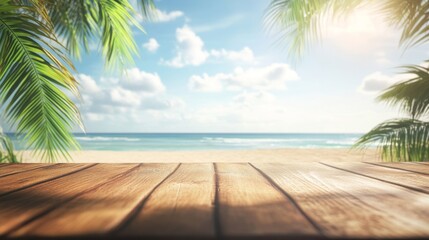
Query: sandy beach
[{"x": 265, "y": 155}]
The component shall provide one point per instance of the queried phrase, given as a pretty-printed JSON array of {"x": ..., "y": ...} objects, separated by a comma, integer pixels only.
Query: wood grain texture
[
  {"x": 348, "y": 205},
  {"x": 417, "y": 182},
  {"x": 216, "y": 201},
  {"x": 249, "y": 206},
  {"x": 99, "y": 211},
  {"x": 405, "y": 205},
  {"x": 182, "y": 206},
  {"x": 408, "y": 166},
  {"x": 22, "y": 207},
  {"x": 29, "y": 178},
  {"x": 10, "y": 169}
]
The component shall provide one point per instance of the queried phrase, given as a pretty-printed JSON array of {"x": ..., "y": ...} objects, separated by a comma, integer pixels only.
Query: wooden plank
[
  {"x": 417, "y": 182},
  {"x": 10, "y": 169},
  {"x": 181, "y": 207},
  {"x": 249, "y": 206},
  {"x": 28, "y": 178},
  {"x": 408, "y": 166},
  {"x": 99, "y": 211},
  {"x": 22, "y": 207},
  {"x": 345, "y": 204},
  {"x": 348, "y": 205}
]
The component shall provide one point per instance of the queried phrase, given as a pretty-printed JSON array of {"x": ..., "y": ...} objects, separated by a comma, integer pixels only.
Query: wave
[
  {"x": 275, "y": 141},
  {"x": 258, "y": 140},
  {"x": 107, "y": 139},
  {"x": 241, "y": 140},
  {"x": 350, "y": 141}
]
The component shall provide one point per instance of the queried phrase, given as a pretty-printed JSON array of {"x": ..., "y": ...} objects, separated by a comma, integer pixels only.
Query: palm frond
[
  {"x": 35, "y": 69},
  {"x": 147, "y": 9},
  {"x": 81, "y": 21},
  {"x": 7, "y": 152},
  {"x": 411, "y": 95},
  {"x": 399, "y": 140},
  {"x": 34, "y": 73},
  {"x": 115, "y": 20},
  {"x": 73, "y": 22},
  {"x": 38, "y": 10},
  {"x": 412, "y": 16},
  {"x": 299, "y": 21}
]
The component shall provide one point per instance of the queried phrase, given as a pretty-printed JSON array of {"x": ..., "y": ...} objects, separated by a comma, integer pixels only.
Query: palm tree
[
  {"x": 298, "y": 21},
  {"x": 37, "y": 40},
  {"x": 404, "y": 139}
]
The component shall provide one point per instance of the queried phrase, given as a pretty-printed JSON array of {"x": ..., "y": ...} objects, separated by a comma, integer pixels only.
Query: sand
[{"x": 265, "y": 155}]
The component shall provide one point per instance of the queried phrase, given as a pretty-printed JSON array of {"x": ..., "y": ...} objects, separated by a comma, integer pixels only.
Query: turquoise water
[{"x": 210, "y": 141}]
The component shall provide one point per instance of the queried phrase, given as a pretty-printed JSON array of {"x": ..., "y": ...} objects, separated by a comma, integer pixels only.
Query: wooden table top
[{"x": 215, "y": 200}]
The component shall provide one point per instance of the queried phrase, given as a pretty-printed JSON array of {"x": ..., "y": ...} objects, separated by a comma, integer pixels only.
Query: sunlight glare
[{"x": 360, "y": 32}]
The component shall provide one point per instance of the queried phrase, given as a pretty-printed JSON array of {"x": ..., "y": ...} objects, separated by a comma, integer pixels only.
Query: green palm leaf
[
  {"x": 34, "y": 73},
  {"x": 299, "y": 21},
  {"x": 411, "y": 16},
  {"x": 399, "y": 140},
  {"x": 81, "y": 21},
  {"x": 147, "y": 9},
  {"x": 35, "y": 69},
  {"x": 73, "y": 22},
  {"x": 7, "y": 153},
  {"x": 411, "y": 95},
  {"x": 115, "y": 19}
]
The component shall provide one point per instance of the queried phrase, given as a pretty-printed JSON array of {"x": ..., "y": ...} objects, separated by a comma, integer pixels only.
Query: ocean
[{"x": 209, "y": 141}]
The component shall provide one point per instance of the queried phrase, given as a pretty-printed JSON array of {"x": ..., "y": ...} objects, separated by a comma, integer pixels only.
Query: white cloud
[
  {"x": 376, "y": 82},
  {"x": 248, "y": 110},
  {"x": 262, "y": 111},
  {"x": 138, "y": 80},
  {"x": 94, "y": 117},
  {"x": 271, "y": 77},
  {"x": 163, "y": 16},
  {"x": 220, "y": 23},
  {"x": 247, "y": 98},
  {"x": 381, "y": 58},
  {"x": 125, "y": 97},
  {"x": 244, "y": 55},
  {"x": 190, "y": 49},
  {"x": 134, "y": 95},
  {"x": 160, "y": 103},
  {"x": 87, "y": 85},
  {"x": 206, "y": 83},
  {"x": 152, "y": 45}
]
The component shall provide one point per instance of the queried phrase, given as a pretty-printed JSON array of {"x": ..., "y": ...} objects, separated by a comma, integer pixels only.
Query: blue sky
[{"x": 209, "y": 66}]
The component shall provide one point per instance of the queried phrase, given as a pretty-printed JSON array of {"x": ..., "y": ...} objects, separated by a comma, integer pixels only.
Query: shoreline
[{"x": 195, "y": 156}]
